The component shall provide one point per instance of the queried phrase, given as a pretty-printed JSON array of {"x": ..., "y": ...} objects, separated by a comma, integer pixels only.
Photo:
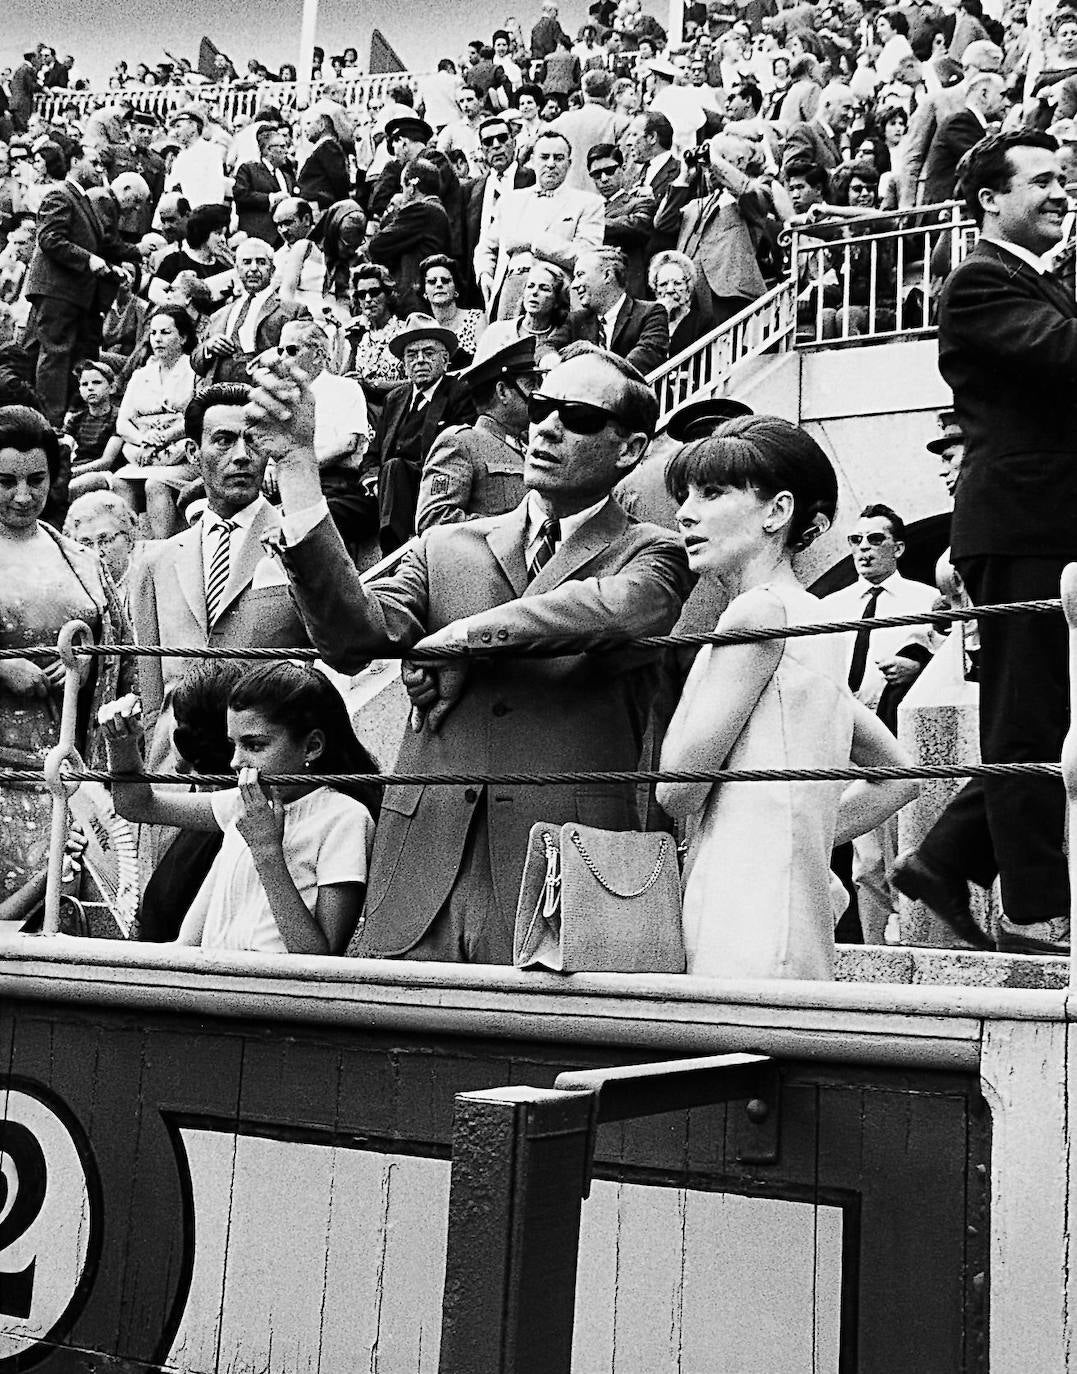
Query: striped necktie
[
  {"x": 219, "y": 568},
  {"x": 241, "y": 317},
  {"x": 549, "y": 534}
]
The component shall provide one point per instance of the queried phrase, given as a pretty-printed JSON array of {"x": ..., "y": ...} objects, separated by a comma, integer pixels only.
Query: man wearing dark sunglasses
[
  {"x": 480, "y": 198},
  {"x": 883, "y": 665},
  {"x": 566, "y": 564}
]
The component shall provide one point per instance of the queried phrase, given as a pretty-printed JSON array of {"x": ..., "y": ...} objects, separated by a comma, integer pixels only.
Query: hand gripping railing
[{"x": 522, "y": 1160}]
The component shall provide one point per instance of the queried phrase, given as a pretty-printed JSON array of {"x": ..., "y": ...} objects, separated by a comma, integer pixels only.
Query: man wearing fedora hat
[
  {"x": 413, "y": 416},
  {"x": 476, "y": 470}
]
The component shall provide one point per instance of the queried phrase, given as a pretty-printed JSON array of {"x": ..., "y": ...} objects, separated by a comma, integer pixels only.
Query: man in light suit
[
  {"x": 183, "y": 590},
  {"x": 635, "y": 330},
  {"x": 549, "y": 220},
  {"x": 718, "y": 225},
  {"x": 566, "y": 563},
  {"x": 818, "y": 140},
  {"x": 248, "y": 325},
  {"x": 261, "y": 186},
  {"x": 594, "y": 122}
]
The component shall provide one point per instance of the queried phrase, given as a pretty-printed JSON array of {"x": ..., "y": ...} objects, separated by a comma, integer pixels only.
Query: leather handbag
[{"x": 599, "y": 901}]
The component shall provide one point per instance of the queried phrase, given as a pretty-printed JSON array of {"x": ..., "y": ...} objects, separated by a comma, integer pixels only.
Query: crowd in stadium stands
[{"x": 446, "y": 269}]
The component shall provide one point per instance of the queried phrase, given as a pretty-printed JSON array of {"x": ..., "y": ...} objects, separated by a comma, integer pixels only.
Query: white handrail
[
  {"x": 766, "y": 325},
  {"x": 230, "y": 101}
]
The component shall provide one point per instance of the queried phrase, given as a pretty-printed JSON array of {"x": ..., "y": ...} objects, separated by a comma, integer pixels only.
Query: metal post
[
  {"x": 520, "y": 1159},
  {"x": 1069, "y": 749},
  {"x": 306, "y": 49},
  {"x": 74, "y": 633}
]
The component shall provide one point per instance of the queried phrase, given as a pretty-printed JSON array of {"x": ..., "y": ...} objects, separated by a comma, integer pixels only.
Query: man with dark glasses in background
[
  {"x": 480, "y": 198},
  {"x": 567, "y": 564},
  {"x": 883, "y": 665}
]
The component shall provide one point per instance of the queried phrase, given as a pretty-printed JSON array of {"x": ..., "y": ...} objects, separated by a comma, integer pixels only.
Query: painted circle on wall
[{"x": 50, "y": 1221}]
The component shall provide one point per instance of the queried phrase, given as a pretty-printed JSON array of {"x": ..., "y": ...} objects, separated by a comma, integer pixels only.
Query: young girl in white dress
[
  {"x": 757, "y": 892},
  {"x": 292, "y": 869}
]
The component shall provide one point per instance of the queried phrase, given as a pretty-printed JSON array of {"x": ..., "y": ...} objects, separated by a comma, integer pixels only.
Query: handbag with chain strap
[{"x": 599, "y": 901}]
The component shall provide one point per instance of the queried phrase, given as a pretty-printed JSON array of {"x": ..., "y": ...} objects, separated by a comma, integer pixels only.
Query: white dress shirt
[
  {"x": 537, "y": 517},
  {"x": 209, "y": 525},
  {"x": 898, "y": 597},
  {"x": 248, "y": 329},
  {"x": 609, "y": 319}
]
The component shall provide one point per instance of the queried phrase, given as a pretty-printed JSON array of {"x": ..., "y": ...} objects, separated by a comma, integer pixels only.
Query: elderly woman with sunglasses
[
  {"x": 442, "y": 287},
  {"x": 370, "y": 330}
]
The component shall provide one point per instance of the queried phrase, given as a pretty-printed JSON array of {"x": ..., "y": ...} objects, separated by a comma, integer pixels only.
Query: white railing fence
[
  {"x": 232, "y": 101},
  {"x": 766, "y": 326},
  {"x": 876, "y": 277}
]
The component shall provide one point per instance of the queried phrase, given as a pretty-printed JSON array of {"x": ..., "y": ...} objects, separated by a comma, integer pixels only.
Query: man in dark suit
[
  {"x": 323, "y": 178},
  {"x": 416, "y": 228},
  {"x": 447, "y": 861},
  {"x": 406, "y": 138},
  {"x": 413, "y": 416},
  {"x": 985, "y": 101},
  {"x": 249, "y": 324},
  {"x": 547, "y": 34},
  {"x": 174, "y": 596},
  {"x": 24, "y": 86},
  {"x": 656, "y": 166},
  {"x": 637, "y": 331},
  {"x": 1008, "y": 349},
  {"x": 818, "y": 140},
  {"x": 480, "y": 197},
  {"x": 261, "y": 186},
  {"x": 71, "y": 258},
  {"x": 629, "y": 212}
]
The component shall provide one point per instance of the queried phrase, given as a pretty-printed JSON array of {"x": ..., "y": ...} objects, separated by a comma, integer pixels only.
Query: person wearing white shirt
[
  {"x": 549, "y": 220},
  {"x": 299, "y": 263},
  {"x": 340, "y": 428},
  {"x": 882, "y": 663},
  {"x": 198, "y": 168}
]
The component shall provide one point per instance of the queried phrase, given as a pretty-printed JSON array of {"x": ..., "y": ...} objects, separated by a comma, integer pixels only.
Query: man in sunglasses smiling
[
  {"x": 480, "y": 198},
  {"x": 566, "y": 565}
]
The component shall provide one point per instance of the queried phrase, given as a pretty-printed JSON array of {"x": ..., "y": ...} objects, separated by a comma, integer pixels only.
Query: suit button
[
  {"x": 471, "y": 795},
  {"x": 502, "y": 635},
  {"x": 486, "y": 637},
  {"x": 500, "y": 709}
]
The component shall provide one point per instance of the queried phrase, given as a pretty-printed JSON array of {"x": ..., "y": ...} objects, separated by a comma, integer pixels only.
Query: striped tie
[
  {"x": 219, "y": 569},
  {"x": 549, "y": 534}
]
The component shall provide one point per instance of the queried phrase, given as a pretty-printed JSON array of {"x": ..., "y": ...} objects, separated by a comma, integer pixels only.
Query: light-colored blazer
[
  {"x": 558, "y": 227},
  {"x": 612, "y": 576},
  {"x": 167, "y": 600}
]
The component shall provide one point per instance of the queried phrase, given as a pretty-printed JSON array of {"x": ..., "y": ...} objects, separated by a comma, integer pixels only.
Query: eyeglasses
[
  {"x": 440, "y": 281},
  {"x": 597, "y": 172},
  {"x": 100, "y": 541},
  {"x": 290, "y": 350},
  {"x": 875, "y": 538},
  {"x": 579, "y": 417},
  {"x": 495, "y": 140},
  {"x": 368, "y": 294}
]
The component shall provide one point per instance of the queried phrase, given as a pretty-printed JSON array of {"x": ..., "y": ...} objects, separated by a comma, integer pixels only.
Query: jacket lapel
[
  {"x": 587, "y": 543},
  {"x": 506, "y": 540},
  {"x": 1045, "y": 283},
  {"x": 434, "y": 412},
  {"x": 189, "y": 575},
  {"x": 624, "y": 315}
]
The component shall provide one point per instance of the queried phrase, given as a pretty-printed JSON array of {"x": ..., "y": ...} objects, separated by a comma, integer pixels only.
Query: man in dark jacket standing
[
  {"x": 415, "y": 228},
  {"x": 70, "y": 258},
  {"x": 1008, "y": 349}
]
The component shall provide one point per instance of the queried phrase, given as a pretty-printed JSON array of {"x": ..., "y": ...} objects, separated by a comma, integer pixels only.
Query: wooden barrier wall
[{"x": 229, "y": 1167}]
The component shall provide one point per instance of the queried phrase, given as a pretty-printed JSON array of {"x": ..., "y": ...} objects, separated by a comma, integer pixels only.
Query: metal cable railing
[{"x": 64, "y": 769}]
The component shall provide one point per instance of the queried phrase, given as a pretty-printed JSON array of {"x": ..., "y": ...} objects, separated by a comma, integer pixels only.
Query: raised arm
[{"x": 138, "y": 800}]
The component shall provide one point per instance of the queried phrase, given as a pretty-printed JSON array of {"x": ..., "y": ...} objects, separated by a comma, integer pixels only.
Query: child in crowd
[
  {"x": 291, "y": 873},
  {"x": 91, "y": 425}
]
